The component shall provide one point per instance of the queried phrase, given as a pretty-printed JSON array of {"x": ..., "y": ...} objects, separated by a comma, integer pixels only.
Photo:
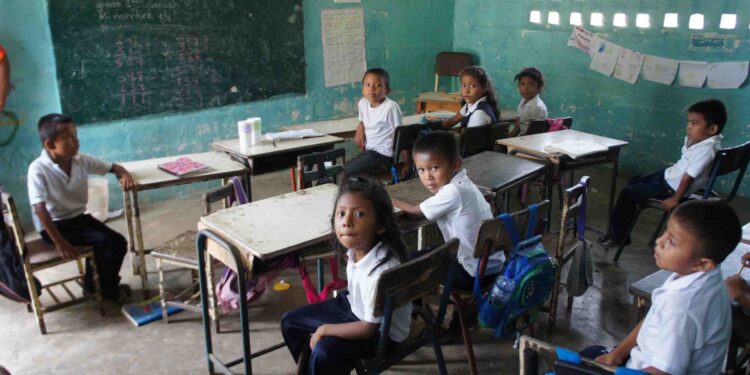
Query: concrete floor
[{"x": 81, "y": 341}]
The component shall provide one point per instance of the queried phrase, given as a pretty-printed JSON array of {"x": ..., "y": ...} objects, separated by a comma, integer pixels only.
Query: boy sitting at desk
[
  {"x": 688, "y": 327},
  {"x": 58, "y": 193},
  {"x": 705, "y": 121}
]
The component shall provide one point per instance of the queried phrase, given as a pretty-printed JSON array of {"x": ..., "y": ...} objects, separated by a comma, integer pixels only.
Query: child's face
[
  {"x": 435, "y": 171},
  {"x": 65, "y": 145},
  {"x": 356, "y": 222},
  {"x": 698, "y": 129},
  {"x": 528, "y": 87},
  {"x": 674, "y": 250},
  {"x": 374, "y": 88},
  {"x": 471, "y": 89}
]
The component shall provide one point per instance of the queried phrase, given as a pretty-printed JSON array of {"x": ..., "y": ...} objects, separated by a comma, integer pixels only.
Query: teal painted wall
[
  {"x": 401, "y": 36},
  {"x": 649, "y": 115}
]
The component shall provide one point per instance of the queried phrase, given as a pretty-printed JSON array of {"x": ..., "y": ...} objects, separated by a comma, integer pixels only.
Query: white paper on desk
[
  {"x": 628, "y": 65},
  {"x": 575, "y": 149},
  {"x": 292, "y": 134},
  {"x": 581, "y": 38},
  {"x": 731, "y": 265},
  {"x": 727, "y": 75},
  {"x": 659, "y": 69},
  {"x": 343, "y": 33},
  {"x": 746, "y": 232},
  {"x": 693, "y": 73},
  {"x": 605, "y": 56}
]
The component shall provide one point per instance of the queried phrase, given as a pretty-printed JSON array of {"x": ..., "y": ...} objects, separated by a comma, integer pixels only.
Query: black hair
[
  {"x": 532, "y": 73},
  {"x": 713, "y": 111},
  {"x": 438, "y": 142},
  {"x": 382, "y": 74},
  {"x": 484, "y": 79},
  {"x": 714, "y": 225},
  {"x": 373, "y": 191},
  {"x": 49, "y": 126}
]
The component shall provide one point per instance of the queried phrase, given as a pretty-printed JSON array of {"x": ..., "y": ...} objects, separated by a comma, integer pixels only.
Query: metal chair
[
  {"x": 38, "y": 255},
  {"x": 474, "y": 140},
  {"x": 403, "y": 140},
  {"x": 726, "y": 161},
  {"x": 450, "y": 64},
  {"x": 401, "y": 285}
]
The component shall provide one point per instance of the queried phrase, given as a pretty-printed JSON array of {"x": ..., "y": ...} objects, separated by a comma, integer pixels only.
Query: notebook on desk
[
  {"x": 292, "y": 134},
  {"x": 182, "y": 166},
  {"x": 576, "y": 149}
]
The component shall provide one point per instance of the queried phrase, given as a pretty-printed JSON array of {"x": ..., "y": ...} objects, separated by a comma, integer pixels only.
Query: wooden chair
[
  {"x": 311, "y": 168},
  {"x": 474, "y": 140},
  {"x": 402, "y": 285},
  {"x": 563, "y": 250},
  {"x": 450, "y": 64},
  {"x": 726, "y": 161},
  {"x": 180, "y": 252},
  {"x": 38, "y": 255},
  {"x": 533, "y": 352},
  {"x": 403, "y": 140},
  {"x": 492, "y": 238}
]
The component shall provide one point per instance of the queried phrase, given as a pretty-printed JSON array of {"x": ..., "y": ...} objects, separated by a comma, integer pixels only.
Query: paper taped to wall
[
  {"x": 628, "y": 65},
  {"x": 581, "y": 38},
  {"x": 605, "y": 56},
  {"x": 727, "y": 75},
  {"x": 693, "y": 73},
  {"x": 659, "y": 69}
]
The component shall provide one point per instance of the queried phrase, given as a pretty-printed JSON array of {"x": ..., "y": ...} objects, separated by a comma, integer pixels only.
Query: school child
[
  {"x": 688, "y": 327},
  {"x": 378, "y": 118},
  {"x": 339, "y": 331},
  {"x": 705, "y": 121},
  {"x": 531, "y": 107},
  {"x": 738, "y": 288},
  {"x": 458, "y": 206},
  {"x": 478, "y": 101},
  {"x": 58, "y": 193}
]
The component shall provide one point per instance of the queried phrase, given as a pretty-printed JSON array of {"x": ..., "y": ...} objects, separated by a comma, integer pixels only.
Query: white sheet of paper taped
[
  {"x": 628, "y": 65},
  {"x": 693, "y": 73},
  {"x": 727, "y": 75},
  {"x": 605, "y": 56},
  {"x": 659, "y": 69},
  {"x": 581, "y": 38}
]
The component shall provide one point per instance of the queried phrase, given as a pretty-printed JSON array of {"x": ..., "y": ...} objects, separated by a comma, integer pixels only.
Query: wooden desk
[
  {"x": 148, "y": 176},
  {"x": 438, "y": 101},
  {"x": 534, "y": 145},
  {"x": 266, "y": 157}
]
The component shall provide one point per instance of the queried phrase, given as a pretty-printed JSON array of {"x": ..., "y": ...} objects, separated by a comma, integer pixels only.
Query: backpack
[
  {"x": 12, "y": 278},
  {"x": 525, "y": 284}
]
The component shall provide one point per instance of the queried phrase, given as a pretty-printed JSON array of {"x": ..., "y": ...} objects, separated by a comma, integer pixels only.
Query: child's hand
[
  {"x": 736, "y": 286},
  {"x": 611, "y": 358},
  {"x": 359, "y": 138},
  {"x": 319, "y": 333},
  {"x": 670, "y": 203},
  {"x": 126, "y": 180},
  {"x": 746, "y": 259},
  {"x": 66, "y": 250}
]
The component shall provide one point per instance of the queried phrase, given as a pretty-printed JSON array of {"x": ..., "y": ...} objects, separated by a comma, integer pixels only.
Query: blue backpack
[{"x": 523, "y": 287}]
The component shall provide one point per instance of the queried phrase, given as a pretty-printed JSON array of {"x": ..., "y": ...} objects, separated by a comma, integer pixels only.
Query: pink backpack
[{"x": 556, "y": 124}]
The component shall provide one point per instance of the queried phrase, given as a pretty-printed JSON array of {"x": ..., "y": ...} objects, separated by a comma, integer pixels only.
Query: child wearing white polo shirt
[
  {"x": 378, "y": 118},
  {"x": 706, "y": 120},
  {"x": 329, "y": 337},
  {"x": 58, "y": 194},
  {"x": 688, "y": 327},
  {"x": 458, "y": 206}
]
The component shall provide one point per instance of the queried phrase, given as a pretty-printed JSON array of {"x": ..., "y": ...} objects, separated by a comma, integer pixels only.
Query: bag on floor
[
  {"x": 525, "y": 284},
  {"x": 13, "y": 284},
  {"x": 581, "y": 274}
]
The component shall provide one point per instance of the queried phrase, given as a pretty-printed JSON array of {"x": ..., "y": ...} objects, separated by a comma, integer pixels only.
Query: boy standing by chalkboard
[{"x": 58, "y": 194}]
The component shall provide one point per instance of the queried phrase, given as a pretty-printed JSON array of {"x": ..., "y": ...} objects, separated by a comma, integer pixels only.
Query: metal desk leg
[
  {"x": 321, "y": 279},
  {"x": 613, "y": 184},
  {"x": 129, "y": 219},
  {"x": 139, "y": 245}
]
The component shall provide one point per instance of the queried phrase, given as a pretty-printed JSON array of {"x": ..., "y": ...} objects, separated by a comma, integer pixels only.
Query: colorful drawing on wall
[
  {"x": 605, "y": 56},
  {"x": 659, "y": 69},
  {"x": 628, "y": 65},
  {"x": 9, "y": 124},
  {"x": 693, "y": 73}
]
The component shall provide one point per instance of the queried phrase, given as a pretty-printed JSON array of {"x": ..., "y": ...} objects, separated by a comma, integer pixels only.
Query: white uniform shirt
[
  {"x": 362, "y": 288},
  {"x": 532, "y": 110},
  {"x": 696, "y": 162},
  {"x": 65, "y": 197},
  {"x": 687, "y": 329},
  {"x": 479, "y": 117},
  {"x": 380, "y": 124},
  {"x": 459, "y": 209}
]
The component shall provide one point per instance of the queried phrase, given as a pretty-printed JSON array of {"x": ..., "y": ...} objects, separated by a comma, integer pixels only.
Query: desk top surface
[
  {"x": 266, "y": 148},
  {"x": 537, "y": 142},
  {"x": 497, "y": 171},
  {"x": 344, "y": 125},
  {"x": 147, "y": 175}
]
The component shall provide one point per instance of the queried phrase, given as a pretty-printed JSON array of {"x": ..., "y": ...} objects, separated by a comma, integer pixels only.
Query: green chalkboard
[{"x": 127, "y": 58}]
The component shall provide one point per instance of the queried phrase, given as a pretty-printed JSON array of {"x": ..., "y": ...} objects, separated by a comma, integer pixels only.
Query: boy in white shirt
[
  {"x": 706, "y": 120},
  {"x": 458, "y": 206},
  {"x": 688, "y": 327},
  {"x": 58, "y": 194},
  {"x": 378, "y": 118}
]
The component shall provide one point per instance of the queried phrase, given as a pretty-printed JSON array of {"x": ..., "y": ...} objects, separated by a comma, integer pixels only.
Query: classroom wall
[
  {"x": 401, "y": 36},
  {"x": 649, "y": 115}
]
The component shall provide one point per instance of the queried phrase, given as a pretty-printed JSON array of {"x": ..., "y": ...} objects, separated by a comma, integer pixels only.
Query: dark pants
[
  {"x": 109, "y": 250},
  {"x": 332, "y": 355},
  {"x": 638, "y": 189},
  {"x": 368, "y": 162}
]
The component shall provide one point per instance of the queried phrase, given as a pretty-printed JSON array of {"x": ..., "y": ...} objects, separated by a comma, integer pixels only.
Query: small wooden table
[
  {"x": 499, "y": 172},
  {"x": 438, "y": 101},
  {"x": 266, "y": 157},
  {"x": 148, "y": 176},
  {"x": 534, "y": 145}
]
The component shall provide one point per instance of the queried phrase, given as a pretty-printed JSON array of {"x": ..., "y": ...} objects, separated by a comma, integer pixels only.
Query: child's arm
[
  {"x": 353, "y": 330},
  {"x": 64, "y": 248},
  {"x": 408, "y": 208},
  {"x": 617, "y": 356},
  {"x": 516, "y": 128},
  {"x": 672, "y": 202},
  {"x": 449, "y": 123},
  {"x": 359, "y": 135},
  {"x": 126, "y": 180}
]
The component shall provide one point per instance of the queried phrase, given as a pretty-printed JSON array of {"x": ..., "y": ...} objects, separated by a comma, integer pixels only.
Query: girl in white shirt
[
  {"x": 531, "y": 108},
  {"x": 478, "y": 101},
  {"x": 329, "y": 337}
]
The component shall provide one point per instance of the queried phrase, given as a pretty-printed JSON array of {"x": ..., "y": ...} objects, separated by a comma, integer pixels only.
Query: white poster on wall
[
  {"x": 605, "y": 56},
  {"x": 693, "y": 73},
  {"x": 581, "y": 38},
  {"x": 659, "y": 69},
  {"x": 628, "y": 65},
  {"x": 343, "y": 32},
  {"x": 727, "y": 75}
]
